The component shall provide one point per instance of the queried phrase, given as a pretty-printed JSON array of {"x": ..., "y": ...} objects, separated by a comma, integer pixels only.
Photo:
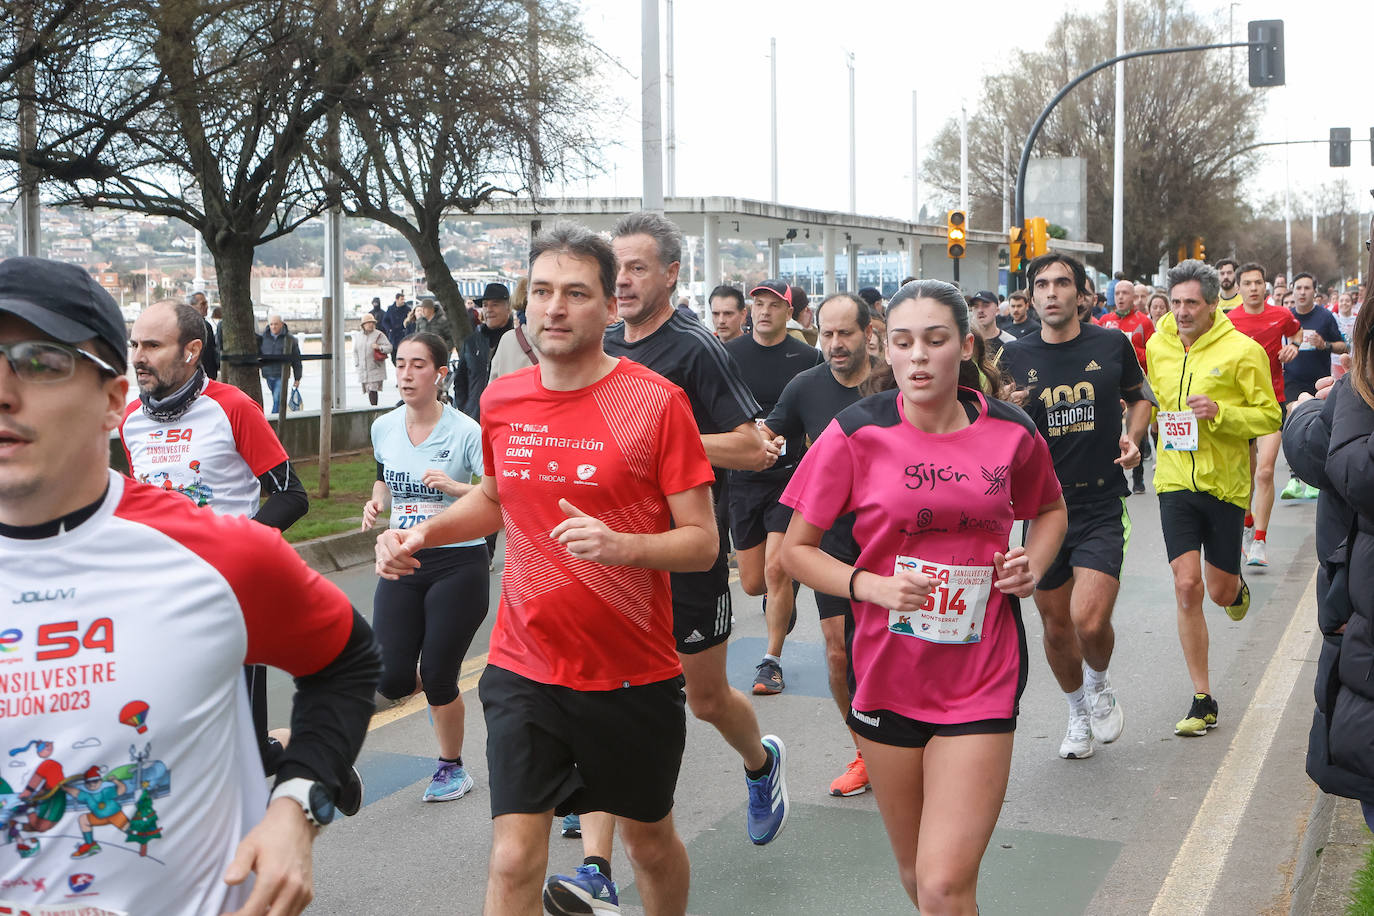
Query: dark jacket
[
  {"x": 471, "y": 374},
  {"x": 1327, "y": 443},
  {"x": 209, "y": 353},
  {"x": 284, "y": 348},
  {"x": 393, "y": 325},
  {"x": 437, "y": 325}
]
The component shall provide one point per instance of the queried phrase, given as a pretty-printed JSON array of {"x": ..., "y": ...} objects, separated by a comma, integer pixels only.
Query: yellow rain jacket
[{"x": 1233, "y": 371}]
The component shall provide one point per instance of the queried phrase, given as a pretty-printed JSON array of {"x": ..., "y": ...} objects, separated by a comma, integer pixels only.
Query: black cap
[
  {"x": 494, "y": 291},
  {"x": 777, "y": 287},
  {"x": 985, "y": 295},
  {"x": 64, "y": 302},
  {"x": 871, "y": 295}
]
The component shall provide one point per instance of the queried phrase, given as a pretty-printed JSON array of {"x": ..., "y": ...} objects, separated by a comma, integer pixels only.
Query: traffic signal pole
[{"x": 1068, "y": 87}]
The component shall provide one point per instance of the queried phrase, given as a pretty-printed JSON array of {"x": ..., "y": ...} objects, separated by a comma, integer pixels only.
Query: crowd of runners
[{"x": 878, "y": 451}]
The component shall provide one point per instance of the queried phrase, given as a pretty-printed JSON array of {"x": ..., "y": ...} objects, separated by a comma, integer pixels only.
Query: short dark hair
[
  {"x": 906, "y": 280},
  {"x": 862, "y": 312},
  {"x": 799, "y": 301},
  {"x": 1297, "y": 277},
  {"x": 1224, "y": 261},
  {"x": 578, "y": 241},
  {"x": 726, "y": 291},
  {"x": 190, "y": 325},
  {"x": 1249, "y": 266},
  {"x": 1019, "y": 294},
  {"x": 662, "y": 230},
  {"x": 1080, "y": 275}
]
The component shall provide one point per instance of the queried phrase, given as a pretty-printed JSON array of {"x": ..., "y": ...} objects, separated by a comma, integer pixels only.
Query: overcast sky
[{"x": 722, "y": 80}]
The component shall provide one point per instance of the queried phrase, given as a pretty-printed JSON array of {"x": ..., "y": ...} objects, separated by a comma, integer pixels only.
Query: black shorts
[
  {"x": 1200, "y": 521},
  {"x": 1098, "y": 534},
  {"x": 573, "y": 751},
  {"x": 701, "y": 623},
  {"x": 829, "y": 606},
  {"x": 886, "y": 727},
  {"x": 755, "y": 511}
]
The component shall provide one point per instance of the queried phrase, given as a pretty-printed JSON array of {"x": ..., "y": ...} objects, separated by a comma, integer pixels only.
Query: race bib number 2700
[{"x": 954, "y": 609}]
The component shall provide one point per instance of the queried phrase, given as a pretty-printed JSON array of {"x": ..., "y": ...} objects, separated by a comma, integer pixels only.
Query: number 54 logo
[{"x": 59, "y": 640}]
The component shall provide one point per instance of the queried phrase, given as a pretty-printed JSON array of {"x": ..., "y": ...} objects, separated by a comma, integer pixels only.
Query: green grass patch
[
  {"x": 350, "y": 485},
  {"x": 1362, "y": 889}
]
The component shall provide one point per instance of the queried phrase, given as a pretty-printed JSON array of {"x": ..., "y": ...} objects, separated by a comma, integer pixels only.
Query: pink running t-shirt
[{"x": 948, "y": 500}]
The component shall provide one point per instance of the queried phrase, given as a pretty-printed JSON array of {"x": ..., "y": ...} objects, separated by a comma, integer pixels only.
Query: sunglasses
[{"x": 45, "y": 361}]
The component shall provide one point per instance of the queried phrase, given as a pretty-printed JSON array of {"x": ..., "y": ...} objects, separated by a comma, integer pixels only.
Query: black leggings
[{"x": 430, "y": 616}]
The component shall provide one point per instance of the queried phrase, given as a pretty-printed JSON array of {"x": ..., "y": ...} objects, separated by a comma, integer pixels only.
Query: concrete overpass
[{"x": 715, "y": 218}]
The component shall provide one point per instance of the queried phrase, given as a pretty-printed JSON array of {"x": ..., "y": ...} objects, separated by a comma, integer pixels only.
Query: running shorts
[
  {"x": 574, "y": 751},
  {"x": 1200, "y": 521},
  {"x": 755, "y": 511},
  {"x": 886, "y": 727},
  {"x": 1098, "y": 534}
]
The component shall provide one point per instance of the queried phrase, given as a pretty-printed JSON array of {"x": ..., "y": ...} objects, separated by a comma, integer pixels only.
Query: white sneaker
[
  {"x": 1247, "y": 537},
  {"x": 1257, "y": 555},
  {"x": 1106, "y": 714},
  {"x": 1078, "y": 741}
]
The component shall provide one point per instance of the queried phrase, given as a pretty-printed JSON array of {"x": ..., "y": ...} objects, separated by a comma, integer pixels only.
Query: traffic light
[
  {"x": 1199, "y": 249},
  {"x": 1340, "y": 147},
  {"x": 1017, "y": 249},
  {"x": 1266, "y": 52},
  {"x": 1038, "y": 237},
  {"x": 956, "y": 233}
]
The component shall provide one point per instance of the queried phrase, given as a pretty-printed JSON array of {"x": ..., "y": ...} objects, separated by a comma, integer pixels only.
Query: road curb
[
  {"x": 338, "y": 551},
  {"x": 1333, "y": 850}
]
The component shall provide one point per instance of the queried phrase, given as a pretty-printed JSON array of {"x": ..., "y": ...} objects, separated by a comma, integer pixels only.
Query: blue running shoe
[
  {"x": 572, "y": 826},
  {"x": 768, "y": 795},
  {"x": 585, "y": 892},
  {"x": 450, "y": 781}
]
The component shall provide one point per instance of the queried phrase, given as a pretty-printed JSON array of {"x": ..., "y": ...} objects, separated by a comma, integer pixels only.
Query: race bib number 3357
[{"x": 954, "y": 609}]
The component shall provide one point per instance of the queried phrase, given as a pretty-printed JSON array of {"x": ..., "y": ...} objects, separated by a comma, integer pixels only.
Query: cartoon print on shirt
[{"x": 97, "y": 796}]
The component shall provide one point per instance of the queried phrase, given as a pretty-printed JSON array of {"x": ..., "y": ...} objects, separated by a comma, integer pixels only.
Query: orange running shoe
[{"x": 854, "y": 779}]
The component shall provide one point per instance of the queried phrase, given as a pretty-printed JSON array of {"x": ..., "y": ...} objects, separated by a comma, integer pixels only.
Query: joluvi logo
[{"x": 585, "y": 470}]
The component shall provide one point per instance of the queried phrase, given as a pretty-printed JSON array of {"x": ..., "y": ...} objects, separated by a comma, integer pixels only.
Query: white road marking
[{"x": 1192, "y": 878}]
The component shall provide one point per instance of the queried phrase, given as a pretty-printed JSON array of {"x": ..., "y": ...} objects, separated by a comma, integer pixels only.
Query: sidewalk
[{"x": 1333, "y": 850}]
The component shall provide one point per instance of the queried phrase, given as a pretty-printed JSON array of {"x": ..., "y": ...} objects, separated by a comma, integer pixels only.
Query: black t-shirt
[
  {"x": 767, "y": 370},
  {"x": 807, "y": 405},
  {"x": 1302, "y": 371},
  {"x": 689, "y": 356},
  {"x": 1024, "y": 329},
  {"x": 1075, "y": 391}
]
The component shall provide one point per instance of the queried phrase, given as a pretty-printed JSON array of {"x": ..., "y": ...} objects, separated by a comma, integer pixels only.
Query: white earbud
[{"x": 189, "y": 358}]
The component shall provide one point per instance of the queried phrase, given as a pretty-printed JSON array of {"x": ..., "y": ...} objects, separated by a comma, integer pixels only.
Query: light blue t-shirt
[{"x": 454, "y": 447}]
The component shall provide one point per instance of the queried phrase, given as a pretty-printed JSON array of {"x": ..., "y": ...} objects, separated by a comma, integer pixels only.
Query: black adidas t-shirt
[
  {"x": 1075, "y": 391},
  {"x": 767, "y": 370},
  {"x": 689, "y": 356},
  {"x": 1024, "y": 329},
  {"x": 807, "y": 405}
]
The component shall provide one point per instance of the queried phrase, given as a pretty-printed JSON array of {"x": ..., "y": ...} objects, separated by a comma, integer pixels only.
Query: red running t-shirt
[
  {"x": 1270, "y": 329},
  {"x": 1137, "y": 326},
  {"x": 616, "y": 450},
  {"x": 945, "y": 499}
]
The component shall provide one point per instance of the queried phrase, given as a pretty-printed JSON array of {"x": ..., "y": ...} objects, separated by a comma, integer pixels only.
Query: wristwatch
[{"x": 312, "y": 796}]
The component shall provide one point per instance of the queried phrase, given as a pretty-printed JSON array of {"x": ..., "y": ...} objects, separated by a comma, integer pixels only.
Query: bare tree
[
  {"x": 1187, "y": 115},
  {"x": 487, "y": 98},
  {"x": 202, "y": 111}
]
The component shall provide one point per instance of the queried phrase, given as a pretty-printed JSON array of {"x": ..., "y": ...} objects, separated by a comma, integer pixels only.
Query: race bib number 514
[{"x": 954, "y": 609}]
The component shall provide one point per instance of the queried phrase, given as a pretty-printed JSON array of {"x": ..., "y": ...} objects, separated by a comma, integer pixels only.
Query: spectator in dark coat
[
  {"x": 378, "y": 313},
  {"x": 279, "y": 347},
  {"x": 473, "y": 370},
  {"x": 393, "y": 323},
  {"x": 209, "y": 354},
  {"x": 1330, "y": 440},
  {"x": 431, "y": 318}
]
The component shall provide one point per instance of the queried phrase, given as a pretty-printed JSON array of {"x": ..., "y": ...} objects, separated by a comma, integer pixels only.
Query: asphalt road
[{"x": 1152, "y": 824}]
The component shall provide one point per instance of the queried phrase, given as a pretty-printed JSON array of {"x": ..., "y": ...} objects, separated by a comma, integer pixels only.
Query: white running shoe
[
  {"x": 1247, "y": 537},
  {"x": 1257, "y": 555},
  {"x": 1106, "y": 714},
  {"x": 1078, "y": 741}
]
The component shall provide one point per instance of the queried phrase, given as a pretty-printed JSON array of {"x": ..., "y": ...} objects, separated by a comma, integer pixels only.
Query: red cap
[{"x": 776, "y": 287}]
